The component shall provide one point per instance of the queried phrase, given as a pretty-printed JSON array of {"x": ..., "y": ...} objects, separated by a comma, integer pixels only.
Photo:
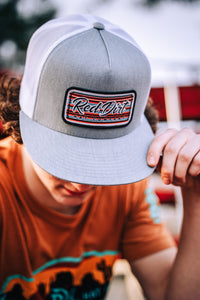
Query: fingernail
[
  {"x": 151, "y": 160},
  {"x": 165, "y": 179}
]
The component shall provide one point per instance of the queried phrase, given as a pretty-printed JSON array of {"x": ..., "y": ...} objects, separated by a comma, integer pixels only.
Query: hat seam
[{"x": 106, "y": 47}]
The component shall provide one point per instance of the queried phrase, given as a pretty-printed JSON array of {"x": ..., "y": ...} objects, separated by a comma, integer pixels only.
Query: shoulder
[
  {"x": 9, "y": 167},
  {"x": 6, "y": 145},
  {"x": 8, "y": 148},
  {"x": 136, "y": 191},
  {"x": 126, "y": 196},
  {"x": 135, "y": 187}
]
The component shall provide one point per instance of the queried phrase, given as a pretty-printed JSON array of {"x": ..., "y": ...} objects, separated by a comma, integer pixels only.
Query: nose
[{"x": 82, "y": 187}]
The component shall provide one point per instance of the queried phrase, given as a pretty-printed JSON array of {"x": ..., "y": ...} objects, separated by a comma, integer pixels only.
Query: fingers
[
  {"x": 180, "y": 155},
  {"x": 176, "y": 159},
  {"x": 194, "y": 169},
  {"x": 157, "y": 146},
  {"x": 188, "y": 160}
]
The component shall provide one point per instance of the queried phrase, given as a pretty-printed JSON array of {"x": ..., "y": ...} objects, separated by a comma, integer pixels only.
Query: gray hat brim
[{"x": 113, "y": 161}]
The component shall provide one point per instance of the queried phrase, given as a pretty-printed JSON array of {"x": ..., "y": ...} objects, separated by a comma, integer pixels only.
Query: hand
[{"x": 177, "y": 156}]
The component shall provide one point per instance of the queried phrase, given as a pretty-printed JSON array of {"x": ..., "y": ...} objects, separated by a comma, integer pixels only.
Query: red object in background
[
  {"x": 189, "y": 98},
  {"x": 157, "y": 94},
  {"x": 165, "y": 196}
]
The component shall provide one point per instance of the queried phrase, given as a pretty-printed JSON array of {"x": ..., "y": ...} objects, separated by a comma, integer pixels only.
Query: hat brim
[{"x": 114, "y": 161}]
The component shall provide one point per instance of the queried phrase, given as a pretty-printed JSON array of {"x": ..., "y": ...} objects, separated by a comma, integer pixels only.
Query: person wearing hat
[{"x": 74, "y": 193}]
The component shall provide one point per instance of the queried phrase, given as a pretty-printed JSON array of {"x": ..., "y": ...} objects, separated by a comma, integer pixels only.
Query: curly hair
[
  {"x": 152, "y": 114},
  {"x": 9, "y": 108}
]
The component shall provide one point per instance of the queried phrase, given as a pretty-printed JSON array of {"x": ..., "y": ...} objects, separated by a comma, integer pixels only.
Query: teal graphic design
[
  {"x": 152, "y": 199},
  {"x": 56, "y": 280}
]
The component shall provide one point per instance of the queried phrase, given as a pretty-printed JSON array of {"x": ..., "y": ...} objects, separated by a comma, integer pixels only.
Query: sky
[{"x": 169, "y": 33}]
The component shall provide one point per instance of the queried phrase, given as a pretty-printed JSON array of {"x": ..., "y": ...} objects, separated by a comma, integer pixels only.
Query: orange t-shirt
[{"x": 48, "y": 255}]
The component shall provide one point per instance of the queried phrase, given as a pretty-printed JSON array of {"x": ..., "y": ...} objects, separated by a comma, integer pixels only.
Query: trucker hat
[{"x": 83, "y": 94}]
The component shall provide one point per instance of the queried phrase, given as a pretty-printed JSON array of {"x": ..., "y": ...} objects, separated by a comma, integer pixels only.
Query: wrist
[{"x": 191, "y": 202}]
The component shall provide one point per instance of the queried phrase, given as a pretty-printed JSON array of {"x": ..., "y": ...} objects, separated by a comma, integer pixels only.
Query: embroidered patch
[{"x": 97, "y": 109}]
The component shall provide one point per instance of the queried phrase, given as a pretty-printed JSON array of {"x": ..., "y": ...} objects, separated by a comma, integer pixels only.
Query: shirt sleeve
[{"x": 143, "y": 233}]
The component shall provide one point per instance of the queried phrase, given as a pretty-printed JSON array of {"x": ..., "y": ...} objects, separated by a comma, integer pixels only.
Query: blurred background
[{"x": 169, "y": 33}]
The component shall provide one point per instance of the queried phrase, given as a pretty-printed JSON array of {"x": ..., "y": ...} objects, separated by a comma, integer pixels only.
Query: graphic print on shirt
[
  {"x": 153, "y": 201},
  {"x": 84, "y": 277}
]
